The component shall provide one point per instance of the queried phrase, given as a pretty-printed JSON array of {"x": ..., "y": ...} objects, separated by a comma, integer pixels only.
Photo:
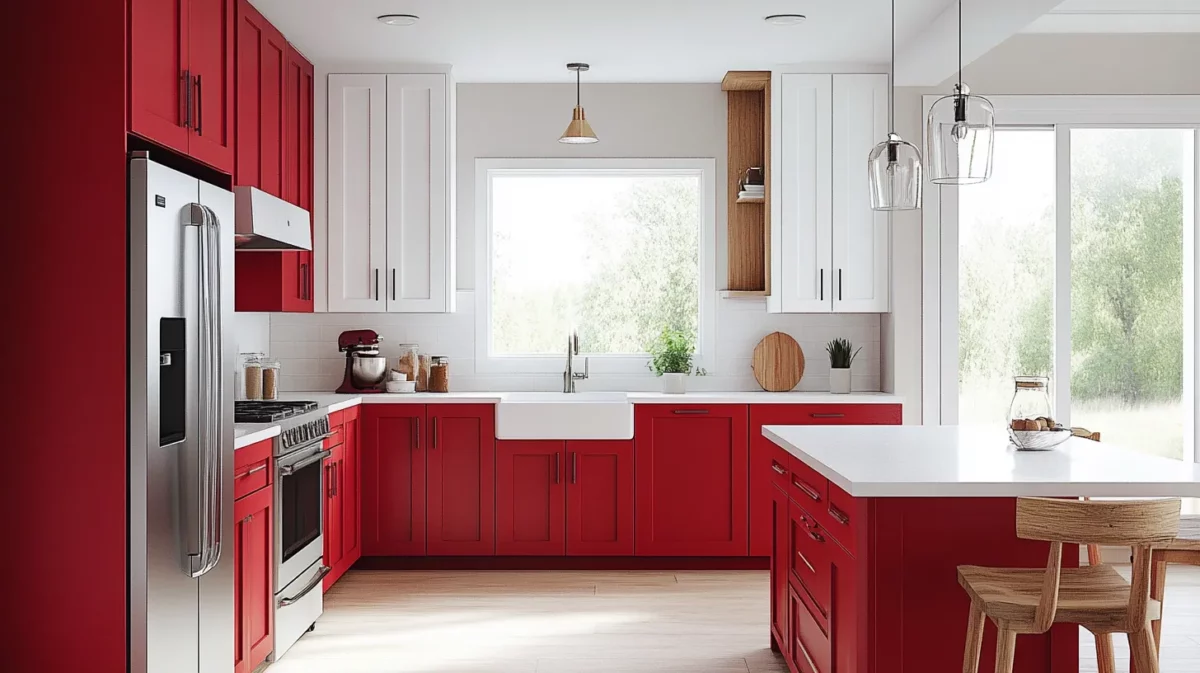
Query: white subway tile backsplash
[{"x": 306, "y": 345}]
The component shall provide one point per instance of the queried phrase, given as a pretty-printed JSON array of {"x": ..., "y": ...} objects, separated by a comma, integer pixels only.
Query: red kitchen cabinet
[
  {"x": 275, "y": 154},
  {"x": 780, "y": 560},
  {"x": 392, "y": 476},
  {"x": 181, "y": 77},
  {"x": 332, "y": 534},
  {"x": 350, "y": 492},
  {"x": 530, "y": 498},
  {"x": 461, "y": 479},
  {"x": 600, "y": 498},
  {"x": 691, "y": 481},
  {"x": 253, "y": 589},
  {"x": 761, "y": 449}
]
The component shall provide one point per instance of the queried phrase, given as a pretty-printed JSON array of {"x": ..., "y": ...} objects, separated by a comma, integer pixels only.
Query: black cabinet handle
[
  {"x": 839, "y": 284},
  {"x": 393, "y": 285},
  {"x": 199, "y": 107},
  {"x": 822, "y": 284},
  {"x": 376, "y": 284},
  {"x": 690, "y": 412},
  {"x": 185, "y": 100}
]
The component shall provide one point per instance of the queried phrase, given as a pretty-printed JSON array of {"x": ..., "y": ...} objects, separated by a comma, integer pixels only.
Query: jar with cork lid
[{"x": 439, "y": 374}]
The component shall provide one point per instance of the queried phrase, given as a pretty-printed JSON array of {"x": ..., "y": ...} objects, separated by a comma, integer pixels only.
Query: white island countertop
[{"x": 964, "y": 461}]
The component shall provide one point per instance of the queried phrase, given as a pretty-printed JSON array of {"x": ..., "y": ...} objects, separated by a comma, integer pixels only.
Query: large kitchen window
[
  {"x": 1075, "y": 261},
  {"x": 613, "y": 249}
]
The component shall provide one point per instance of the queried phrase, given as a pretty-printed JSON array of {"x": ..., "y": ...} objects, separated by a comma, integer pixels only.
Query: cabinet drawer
[
  {"x": 840, "y": 519},
  {"x": 810, "y": 649},
  {"x": 251, "y": 468},
  {"x": 850, "y": 414},
  {"x": 781, "y": 462},
  {"x": 806, "y": 485},
  {"x": 809, "y": 558}
]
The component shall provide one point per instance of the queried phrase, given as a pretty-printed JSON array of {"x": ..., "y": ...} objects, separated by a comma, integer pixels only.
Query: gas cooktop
[{"x": 255, "y": 411}]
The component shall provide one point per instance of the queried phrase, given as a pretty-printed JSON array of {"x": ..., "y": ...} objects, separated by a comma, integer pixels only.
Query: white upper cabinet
[
  {"x": 830, "y": 252},
  {"x": 406, "y": 158},
  {"x": 357, "y": 190}
]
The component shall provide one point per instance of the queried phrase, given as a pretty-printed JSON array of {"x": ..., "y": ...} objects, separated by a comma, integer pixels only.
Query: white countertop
[{"x": 965, "y": 461}]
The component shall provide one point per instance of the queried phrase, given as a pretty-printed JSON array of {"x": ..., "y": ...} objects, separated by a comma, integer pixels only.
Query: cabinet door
[
  {"x": 461, "y": 480},
  {"x": 158, "y": 88},
  {"x": 253, "y": 568},
  {"x": 393, "y": 479},
  {"x": 691, "y": 480},
  {"x": 848, "y": 619},
  {"x": 332, "y": 534},
  {"x": 600, "y": 498},
  {"x": 357, "y": 193},
  {"x": 530, "y": 498},
  {"x": 210, "y": 60},
  {"x": 801, "y": 192},
  {"x": 349, "y": 491},
  {"x": 780, "y": 548},
  {"x": 260, "y": 58},
  {"x": 419, "y": 218},
  {"x": 861, "y": 245},
  {"x": 761, "y": 475},
  {"x": 298, "y": 175}
]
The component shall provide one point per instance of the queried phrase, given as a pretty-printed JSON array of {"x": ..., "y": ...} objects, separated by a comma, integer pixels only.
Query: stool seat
[
  {"x": 1188, "y": 538},
  {"x": 1095, "y": 597}
]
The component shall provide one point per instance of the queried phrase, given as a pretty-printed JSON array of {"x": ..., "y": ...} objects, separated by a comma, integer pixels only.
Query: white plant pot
[
  {"x": 674, "y": 384},
  {"x": 839, "y": 381}
]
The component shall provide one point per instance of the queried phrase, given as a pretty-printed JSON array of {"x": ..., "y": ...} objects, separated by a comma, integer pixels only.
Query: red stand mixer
[{"x": 366, "y": 369}]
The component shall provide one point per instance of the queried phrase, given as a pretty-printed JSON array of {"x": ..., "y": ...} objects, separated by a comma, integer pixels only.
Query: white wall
[
  {"x": 525, "y": 120},
  {"x": 1025, "y": 64}
]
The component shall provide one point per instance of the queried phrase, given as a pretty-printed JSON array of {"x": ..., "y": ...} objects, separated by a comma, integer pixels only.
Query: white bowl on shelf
[{"x": 400, "y": 386}]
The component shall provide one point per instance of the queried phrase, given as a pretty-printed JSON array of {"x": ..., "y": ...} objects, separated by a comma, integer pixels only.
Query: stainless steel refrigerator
[{"x": 181, "y": 373}]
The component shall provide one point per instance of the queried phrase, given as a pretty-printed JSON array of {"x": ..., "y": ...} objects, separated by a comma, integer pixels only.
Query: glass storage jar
[
  {"x": 270, "y": 378},
  {"x": 423, "y": 364},
  {"x": 439, "y": 374},
  {"x": 409, "y": 362},
  {"x": 1031, "y": 424},
  {"x": 250, "y": 383}
]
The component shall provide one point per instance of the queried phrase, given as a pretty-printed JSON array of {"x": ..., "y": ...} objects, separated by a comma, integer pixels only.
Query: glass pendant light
[
  {"x": 960, "y": 130},
  {"x": 579, "y": 131},
  {"x": 894, "y": 166}
]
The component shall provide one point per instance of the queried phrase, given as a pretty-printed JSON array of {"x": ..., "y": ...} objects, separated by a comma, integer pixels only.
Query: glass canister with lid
[
  {"x": 250, "y": 377},
  {"x": 409, "y": 360},
  {"x": 439, "y": 374},
  {"x": 1031, "y": 424}
]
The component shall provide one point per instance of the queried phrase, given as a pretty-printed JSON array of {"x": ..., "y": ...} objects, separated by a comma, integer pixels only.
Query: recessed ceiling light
[
  {"x": 785, "y": 19},
  {"x": 399, "y": 19}
]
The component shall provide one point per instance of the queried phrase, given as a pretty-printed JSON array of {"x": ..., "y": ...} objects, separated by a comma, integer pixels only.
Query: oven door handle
[
  {"x": 288, "y": 470},
  {"x": 284, "y": 602}
]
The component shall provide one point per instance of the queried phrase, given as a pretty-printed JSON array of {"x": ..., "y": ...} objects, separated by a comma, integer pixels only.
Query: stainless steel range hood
[{"x": 265, "y": 222}]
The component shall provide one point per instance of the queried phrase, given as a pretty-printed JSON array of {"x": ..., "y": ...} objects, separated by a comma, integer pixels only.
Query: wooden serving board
[{"x": 778, "y": 363}]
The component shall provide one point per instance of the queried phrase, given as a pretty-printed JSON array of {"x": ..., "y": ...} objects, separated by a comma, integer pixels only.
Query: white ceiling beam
[{"x": 931, "y": 56}]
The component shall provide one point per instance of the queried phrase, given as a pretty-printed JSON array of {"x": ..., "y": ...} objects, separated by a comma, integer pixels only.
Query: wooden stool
[
  {"x": 1184, "y": 549},
  {"x": 1031, "y": 600}
]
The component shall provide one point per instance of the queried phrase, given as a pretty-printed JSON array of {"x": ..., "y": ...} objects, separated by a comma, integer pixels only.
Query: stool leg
[
  {"x": 1006, "y": 648},
  {"x": 1158, "y": 589},
  {"x": 974, "y": 638},
  {"x": 1142, "y": 655},
  {"x": 1106, "y": 661}
]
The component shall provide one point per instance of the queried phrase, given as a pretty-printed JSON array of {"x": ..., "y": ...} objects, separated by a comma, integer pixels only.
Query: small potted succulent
[
  {"x": 841, "y": 356},
  {"x": 671, "y": 358}
]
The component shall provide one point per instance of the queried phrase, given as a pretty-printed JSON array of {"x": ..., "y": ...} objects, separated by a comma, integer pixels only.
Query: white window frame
[
  {"x": 940, "y": 243},
  {"x": 486, "y": 169}
]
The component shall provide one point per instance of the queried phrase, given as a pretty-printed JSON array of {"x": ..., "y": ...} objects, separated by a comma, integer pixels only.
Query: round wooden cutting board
[{"x": 778, "y": 363}]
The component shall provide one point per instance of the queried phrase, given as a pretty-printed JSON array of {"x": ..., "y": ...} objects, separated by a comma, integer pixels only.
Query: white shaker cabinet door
[
  {"x": 801, "y": 192},
  {"x": 861, "y": 236},
  {"x": 357, "y": 197},
  {"x": 420, "y": 237}
]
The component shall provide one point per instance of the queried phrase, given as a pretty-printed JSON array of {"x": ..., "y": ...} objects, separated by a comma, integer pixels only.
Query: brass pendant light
[{"x": 579, "y": 131}]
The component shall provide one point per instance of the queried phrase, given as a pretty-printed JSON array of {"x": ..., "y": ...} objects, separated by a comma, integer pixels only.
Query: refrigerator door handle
[{"x": 211, "y": 392}]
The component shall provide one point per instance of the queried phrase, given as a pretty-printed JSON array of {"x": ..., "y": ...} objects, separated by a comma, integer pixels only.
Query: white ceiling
[
  {"x": 1120, "y": 16},
  {"x": 623, "y": 40}
]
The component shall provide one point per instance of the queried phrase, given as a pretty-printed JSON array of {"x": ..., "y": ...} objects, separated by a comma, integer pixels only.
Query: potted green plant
[
  {"x": 671, "y": 358},
  {"x": 841, "y": 356}
]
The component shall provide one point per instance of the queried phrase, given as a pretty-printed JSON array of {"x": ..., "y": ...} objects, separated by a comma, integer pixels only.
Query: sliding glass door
[{"x": 1076, "y": 261}]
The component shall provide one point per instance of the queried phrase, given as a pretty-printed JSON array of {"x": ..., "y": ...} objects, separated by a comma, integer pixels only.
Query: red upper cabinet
[
  {"x": 461, "y": 479},
  {"x": 599, "y": 476},
  {"x": 181, "y": 77},
  {"x": 261, "y": 66},
  {"x": 392, "y": 476},
  {"x": 530, "y": 498},
  {"x": 253, "y": 587},
  {"x": 690, "y": 468}
]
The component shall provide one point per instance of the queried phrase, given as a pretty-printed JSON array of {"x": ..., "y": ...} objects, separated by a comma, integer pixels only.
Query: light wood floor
[{"x": 594, "y": 622}]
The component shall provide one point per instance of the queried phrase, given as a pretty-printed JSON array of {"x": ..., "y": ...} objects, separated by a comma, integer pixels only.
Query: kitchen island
[{"x": 871, "y": 522}]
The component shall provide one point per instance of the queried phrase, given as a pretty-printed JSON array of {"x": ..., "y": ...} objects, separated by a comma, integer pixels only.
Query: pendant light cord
[
  {"x": 892, "y": 78},
  {"x": 960, "y": 41},
  {"x": 577, "y": 99}
]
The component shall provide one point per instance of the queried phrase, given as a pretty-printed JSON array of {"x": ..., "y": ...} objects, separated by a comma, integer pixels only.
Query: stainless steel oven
[{"x": 299, "y": 517}]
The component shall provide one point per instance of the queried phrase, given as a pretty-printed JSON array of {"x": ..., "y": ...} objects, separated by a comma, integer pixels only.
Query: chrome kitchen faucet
[{"x": 569, "y": 376}]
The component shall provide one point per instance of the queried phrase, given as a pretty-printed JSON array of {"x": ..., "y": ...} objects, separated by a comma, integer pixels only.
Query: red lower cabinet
[
  {"x": 332, "y": 533},
  {"x": 762, "y": 449},
  {"x": 253, "y": 570},
  {"x": 780, "y": 559},
  {"x": 530, "y": 498},
  {"x": 600, "y": 519},
  {"x": 392, "y": 477},
  {"x": 349, "y": 492},
  {"x": 691, "y": 464},
  {"x": 461, "y": 480}
]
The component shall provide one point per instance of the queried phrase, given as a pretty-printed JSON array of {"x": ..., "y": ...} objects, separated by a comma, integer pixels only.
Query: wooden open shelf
[{"x": 748, "y": 95}]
